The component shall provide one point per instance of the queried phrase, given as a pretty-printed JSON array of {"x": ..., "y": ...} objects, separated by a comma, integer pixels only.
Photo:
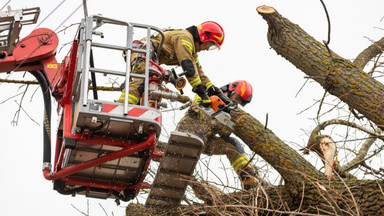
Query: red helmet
[
  {"x": 211, "y": 31},
  {"x": 243, "y": 89}
]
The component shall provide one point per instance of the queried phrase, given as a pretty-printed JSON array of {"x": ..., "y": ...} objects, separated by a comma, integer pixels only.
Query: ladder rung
[
  {"x": 115, "y": 47},
  {"x": 108, "y": 46},
  {"x": 113, "y": 72}
]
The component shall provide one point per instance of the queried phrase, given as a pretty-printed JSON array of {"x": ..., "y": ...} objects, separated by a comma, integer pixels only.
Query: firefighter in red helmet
[
  {"x": 240, "y": 91},
  {"x": 211, "y": 31},
  {"x": 217, "y": 137},
  {"x": 181, "y": 48}
]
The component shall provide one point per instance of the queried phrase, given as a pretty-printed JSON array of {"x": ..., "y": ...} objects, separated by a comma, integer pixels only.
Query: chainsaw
[{"x": 220, "y": 111}]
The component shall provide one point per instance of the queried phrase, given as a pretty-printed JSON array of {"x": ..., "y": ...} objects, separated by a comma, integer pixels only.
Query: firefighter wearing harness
[
  {"x": 217, "y": 137},
  {"x": 180, "y": 48}
]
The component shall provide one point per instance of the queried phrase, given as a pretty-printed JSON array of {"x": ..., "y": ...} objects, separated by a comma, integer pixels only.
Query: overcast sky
[{"x": 245, "y": 54}]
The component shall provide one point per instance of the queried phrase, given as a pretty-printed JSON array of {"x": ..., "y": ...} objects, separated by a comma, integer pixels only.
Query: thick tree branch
[
  {"x": 290, "y": 165},
  {"x": 338, "y": 76},
  {"x": 369, "y": 53},
  {"x": 360, "y": 157}
]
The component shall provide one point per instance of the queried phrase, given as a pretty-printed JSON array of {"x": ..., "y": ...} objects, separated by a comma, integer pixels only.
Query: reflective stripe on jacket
[{"x": 178, "y": 46}]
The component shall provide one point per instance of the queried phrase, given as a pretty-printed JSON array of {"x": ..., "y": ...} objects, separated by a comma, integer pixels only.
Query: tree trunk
[{"x": 335, "y": 74}]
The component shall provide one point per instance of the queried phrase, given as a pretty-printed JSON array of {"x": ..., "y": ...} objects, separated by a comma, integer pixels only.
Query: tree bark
[
  {"x": 369, "y": 53},
  {"x": 335, "y": 74},
  {"x": 291, "y": 165}
]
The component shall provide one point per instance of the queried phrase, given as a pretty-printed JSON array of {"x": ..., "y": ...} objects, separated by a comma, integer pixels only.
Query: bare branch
[
  {"x": 377, "y": 64},
  {"x": 361, "y": 155},
  {"x": 79, "y": 210},
  {"x": 316, "y": 131},
  {"x": 27, "y": 114},
  {"x": 17, "y": 113},
  {"x": 321, "y": 104},
  {"x": 103, "y": 209},
  {"x": 366, "y": 55},
  {"x": 11, "y": 97}
]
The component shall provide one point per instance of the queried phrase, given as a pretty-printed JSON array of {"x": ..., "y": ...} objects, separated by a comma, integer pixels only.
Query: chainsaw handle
[
  {"x": 229, "y": 106},
  {"x": 182, "y": 73}
]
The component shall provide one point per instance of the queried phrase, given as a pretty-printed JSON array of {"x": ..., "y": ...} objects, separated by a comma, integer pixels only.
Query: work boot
[
  {"x": 249, "y": 183},
  {"x": 257, "y": 176},
  {"x": 248, "y": 179}
]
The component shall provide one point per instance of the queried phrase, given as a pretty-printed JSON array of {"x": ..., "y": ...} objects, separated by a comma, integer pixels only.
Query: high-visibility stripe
[
  {"x": 197, "y": 61},
  {"x": 197, "y": 98},
  {"x": 239, "y": 161},
  {"x": 208, "y": 85},
  {"x": 122, "y": 96},
  {"x": 242, "y": 163},
  {"x": 188, "y": 44},
  {"x": 132, "y": 99},
  {"x": 195, "y": 82},
  {"x": 136, "y": 66}
]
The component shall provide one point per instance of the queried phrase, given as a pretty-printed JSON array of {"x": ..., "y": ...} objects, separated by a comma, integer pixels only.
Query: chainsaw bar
[{"x": 221, "y": 116}]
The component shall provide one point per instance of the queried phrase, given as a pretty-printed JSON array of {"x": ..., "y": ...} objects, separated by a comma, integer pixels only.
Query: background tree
[{"x": 306, "y": 190}]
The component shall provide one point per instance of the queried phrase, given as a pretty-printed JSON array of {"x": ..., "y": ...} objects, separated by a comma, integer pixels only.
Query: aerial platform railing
[
  {"x": 11, "y": 22},
  {"x": 94, "y": 22}
]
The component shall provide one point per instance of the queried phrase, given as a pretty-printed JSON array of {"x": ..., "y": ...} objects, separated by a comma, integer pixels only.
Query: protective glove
[
  {"x": 122, "y": 86},
  {"x": 200, "y": 90},
  {"x": 213, "y": 90},
  {"x": 168, "y": 76}
]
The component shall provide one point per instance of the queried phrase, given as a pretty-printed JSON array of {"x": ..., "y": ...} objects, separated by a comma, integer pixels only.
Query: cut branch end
[{"x": 265, "y": 9}]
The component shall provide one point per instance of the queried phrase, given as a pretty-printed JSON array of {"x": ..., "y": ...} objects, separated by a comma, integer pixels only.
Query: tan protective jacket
[{"x": 178, "y": 46}]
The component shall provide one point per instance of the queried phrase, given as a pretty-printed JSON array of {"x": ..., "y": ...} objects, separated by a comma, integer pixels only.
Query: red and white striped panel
[{"x": 133, "y": 111}]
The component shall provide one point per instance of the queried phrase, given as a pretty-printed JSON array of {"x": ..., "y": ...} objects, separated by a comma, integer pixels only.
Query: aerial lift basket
[{"x": 103, "y": 147}]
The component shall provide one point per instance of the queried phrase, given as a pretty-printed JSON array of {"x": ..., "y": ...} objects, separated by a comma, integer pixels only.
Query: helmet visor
[
  {"x": 240, "y": 100},
  {"x": 213, "y": 46}
]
